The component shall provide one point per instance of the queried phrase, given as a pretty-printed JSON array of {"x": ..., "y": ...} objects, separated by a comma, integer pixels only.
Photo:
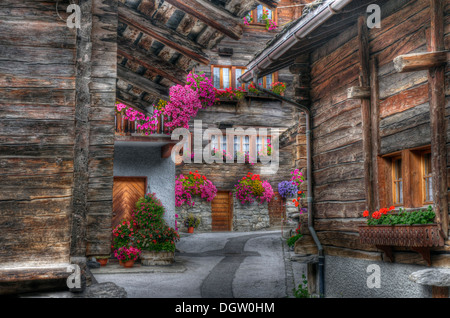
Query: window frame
[
  {"x": 412, "y": 178},
  {"x": 424, "y": 177}
]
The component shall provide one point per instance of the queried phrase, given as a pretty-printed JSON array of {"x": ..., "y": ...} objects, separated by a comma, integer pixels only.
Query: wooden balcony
[{"x": 125, "y": 132}]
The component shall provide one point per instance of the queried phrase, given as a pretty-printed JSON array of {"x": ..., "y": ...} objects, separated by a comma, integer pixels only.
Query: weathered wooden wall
[
  {"x": 404, "y": 122},
  {"x": 57, "y": 133},
  {"x": 37, "y": 104}
]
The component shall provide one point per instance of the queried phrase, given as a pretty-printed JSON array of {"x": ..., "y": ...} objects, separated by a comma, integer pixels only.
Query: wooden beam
[
  {"x": 212, "y": 15},
  {"x": 133, "y": 101},
  {"x": 151, "y": 62},
  {"x": 163, "y": 34},
  {"x": 419, "y": 61},
  {"x": 374, "y": 126},
  {"x": 142, "y": 83},
  {"x": 358, "y": 92},
  {"x": 436, "y": 80},
  {"x": 364, "y": 59}
]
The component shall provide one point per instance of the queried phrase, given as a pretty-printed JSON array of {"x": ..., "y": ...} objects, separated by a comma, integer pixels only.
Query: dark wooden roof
[{"x": 159, "y": 42}]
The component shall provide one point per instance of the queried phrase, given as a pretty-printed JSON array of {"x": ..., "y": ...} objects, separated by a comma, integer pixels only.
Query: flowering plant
[
  {"x": 122, "y": 234},
  {"x": 248, "y": 19},
  {"x": 278, "y": 88},
  {"x": 252, "y": 88},
  {"x": 246, "y": 156},
  {"x": 382, "y": 217},
  {"x": 294, "y": 238},
  {"x": 287, "y": 189},
  {"x": 230, "y": 93},
  {"x": 125, "y": 253},
  {"x": 157, "y": 237},
  {"x": 251, "y": 188},
  {"x": 146, "y": 124},
  {"x": 192, "y": 221},
  {"x": 225, "y": 154},
  {"x": 193, "y": 184},
  {"x": 187, "y": 100}
]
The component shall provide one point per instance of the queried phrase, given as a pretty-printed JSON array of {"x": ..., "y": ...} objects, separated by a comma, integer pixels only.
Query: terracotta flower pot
[
  {"x": 128, "y": 264},
  {"x": 120, "y": 262},
  {"x": 191, "y": 229},
  {"x": 102, "y": 261}
]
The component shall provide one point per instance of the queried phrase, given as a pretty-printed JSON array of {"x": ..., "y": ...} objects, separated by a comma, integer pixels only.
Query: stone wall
[
  {"x": 201, "y": 209},
  {"x": 250, "y": 217}
]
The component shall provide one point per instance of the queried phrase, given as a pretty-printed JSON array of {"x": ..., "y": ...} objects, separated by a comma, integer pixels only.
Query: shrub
[
  {"x": 294, "y": 238},
  {"x": 125, "y": 253},
  {"x": 149, "y": 210}
]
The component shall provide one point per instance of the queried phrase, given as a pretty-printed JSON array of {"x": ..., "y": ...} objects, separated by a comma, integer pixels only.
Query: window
[
  {"x": 256, "y": 15},
  {"x": 405, "y": 178},
  {"x": 241, "y": 143},
  {"x": 226, "y": 76},
  {"x": 267, "y": 80}
]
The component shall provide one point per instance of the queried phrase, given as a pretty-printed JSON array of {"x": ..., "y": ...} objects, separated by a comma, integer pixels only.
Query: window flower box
[{"x": 417, "y": 237}]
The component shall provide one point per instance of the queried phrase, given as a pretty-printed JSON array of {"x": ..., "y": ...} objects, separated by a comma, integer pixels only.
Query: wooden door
[
  {"x": 277, "y": 210},
  {"x": 222, "y": 212},
  {"x": 126, "y": 191}
]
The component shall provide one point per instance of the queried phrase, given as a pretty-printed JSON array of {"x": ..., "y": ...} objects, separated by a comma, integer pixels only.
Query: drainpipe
[{"x": 309, "y": 177}]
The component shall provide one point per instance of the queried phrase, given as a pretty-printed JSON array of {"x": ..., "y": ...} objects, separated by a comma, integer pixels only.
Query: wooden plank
[
  {"x": 375, "y": 126},
  {"x": 163, "y": 34},
  {"x": 142, "y": 83},
  {"x": 212, "y": 15},
  {"x": 364, "y": 60},
  {"x": 358, "y": 92},
  {"x": 436, "y": 79},
  {"x": 419, "y": 61}
]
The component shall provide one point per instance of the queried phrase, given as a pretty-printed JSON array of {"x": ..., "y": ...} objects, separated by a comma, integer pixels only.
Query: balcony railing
[{"x": 125, "y": 127}]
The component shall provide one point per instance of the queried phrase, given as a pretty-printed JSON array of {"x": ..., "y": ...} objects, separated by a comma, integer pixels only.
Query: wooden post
[
  {"x": 436, "y": 79},
  {"x": 364, "y": 59},
  {"x": 375, "y": 122}
]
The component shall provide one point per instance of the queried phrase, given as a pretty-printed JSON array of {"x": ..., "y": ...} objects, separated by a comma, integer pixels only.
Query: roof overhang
[{"x": 268, "y": 61}]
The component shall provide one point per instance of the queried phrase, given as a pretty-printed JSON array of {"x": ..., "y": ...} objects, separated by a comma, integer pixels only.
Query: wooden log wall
[
  {"x": 57, "y": 132},
  {"x": 399, "y": 109},
  {"x": 37, "y": 106}
]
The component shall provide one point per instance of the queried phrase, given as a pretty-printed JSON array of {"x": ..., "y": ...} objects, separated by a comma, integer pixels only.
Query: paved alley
[{"x": 217, "y": 265}]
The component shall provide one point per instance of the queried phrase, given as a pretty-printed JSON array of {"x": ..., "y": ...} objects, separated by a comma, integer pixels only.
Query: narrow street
[{"x": 218, "y": 265}]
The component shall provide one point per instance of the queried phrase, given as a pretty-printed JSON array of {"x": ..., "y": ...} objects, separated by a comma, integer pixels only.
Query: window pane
[
  {"x": 238, "y": 73},
  {"x": 427, "y": 159},
  {"x": 237, "y": 144},
  {"x": 258, "y": 144},
  {"x": 398, "y": 169},
  {"x": 226, "y": 77},
  {"x": 224, "y": 143},
  {"x": 259, "y": 13},
  {"x": 214, "y": 143},
  {"x": 216, "y": 77},
  {"x": 246, "y": 144},
  {"x": 268, "y": 81}
]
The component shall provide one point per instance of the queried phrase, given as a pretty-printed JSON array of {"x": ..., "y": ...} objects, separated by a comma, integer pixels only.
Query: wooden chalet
[
  {"x": 376, "y": 100},
  {"x": 59, "y": 86}
]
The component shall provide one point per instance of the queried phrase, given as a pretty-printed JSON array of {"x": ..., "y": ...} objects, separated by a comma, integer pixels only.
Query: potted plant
[
  {"x": 127, "y": 255},
  {"x": 157, "y": 243},
  {"x": 414, "y": 229},
  {"x": 193, "y": 184},
  {"x": 278, "y": 88},
  {"x": 192, "y": 222},
  {"x": 103, "y": 260}
]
